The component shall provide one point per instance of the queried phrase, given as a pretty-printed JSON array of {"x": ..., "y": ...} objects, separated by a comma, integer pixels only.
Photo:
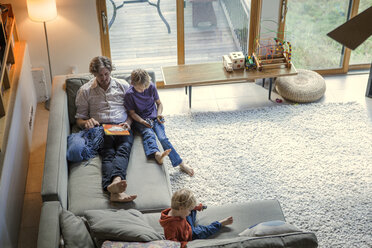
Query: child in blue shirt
[{"x": 144, "y": 106}]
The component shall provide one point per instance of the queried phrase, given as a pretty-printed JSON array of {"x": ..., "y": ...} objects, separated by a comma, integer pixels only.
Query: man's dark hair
[{"x": 100, "y": 62}]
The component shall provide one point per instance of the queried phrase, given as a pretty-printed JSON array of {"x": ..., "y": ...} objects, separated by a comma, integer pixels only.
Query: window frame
[{"x": 254, "y": 28}]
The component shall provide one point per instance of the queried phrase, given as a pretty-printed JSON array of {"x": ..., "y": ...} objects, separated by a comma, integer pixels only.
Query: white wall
[
  {"x": 73, "y": 41},
  {"x": 15, "y": 160},
  {"x": 73, "y": 36}
]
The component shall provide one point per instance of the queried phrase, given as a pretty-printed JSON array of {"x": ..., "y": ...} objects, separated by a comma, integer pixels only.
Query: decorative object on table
[
  {"x": 227, "y": 63},
  {"x": 306, "y": 86},
  {"x": 250, "y": 63},
  {"x": 233, "y": 61},
  {"x": 353, "y": 33},
  {"x": 272, "y": 53},
  {"x": 238, "y": 60}
]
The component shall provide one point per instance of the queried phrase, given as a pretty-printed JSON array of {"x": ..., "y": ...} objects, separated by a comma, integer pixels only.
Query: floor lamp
[{"x": 43, "y": 11}]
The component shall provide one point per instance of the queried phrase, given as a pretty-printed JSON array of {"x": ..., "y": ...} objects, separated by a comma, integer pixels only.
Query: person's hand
[
  {"x": 90, "y": 123},
  {"x": 125, "y": 125},
  {"x": 146, "y": 124},
  {"x": 161, "y": 119}
]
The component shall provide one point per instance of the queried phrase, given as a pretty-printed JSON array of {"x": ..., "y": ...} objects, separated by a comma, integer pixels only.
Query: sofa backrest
[{"x": 74, "y": 82}]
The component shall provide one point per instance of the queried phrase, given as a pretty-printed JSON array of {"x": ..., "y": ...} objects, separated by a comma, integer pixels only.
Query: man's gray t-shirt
[{"x": 104, "y": 106}]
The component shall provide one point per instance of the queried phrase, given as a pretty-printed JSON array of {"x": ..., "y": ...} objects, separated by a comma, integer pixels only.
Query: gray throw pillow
[
  {"x": 122, "y": 225},
  {"x": 72, "y": 87},
  {"x": 74, "y": 232},
  {"x": 269, "y": 228}
]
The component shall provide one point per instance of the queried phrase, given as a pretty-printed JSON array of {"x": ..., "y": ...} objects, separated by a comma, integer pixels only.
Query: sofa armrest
[
  {"x": 49, "y": 235},
  {"x": 55, "y": 177}
]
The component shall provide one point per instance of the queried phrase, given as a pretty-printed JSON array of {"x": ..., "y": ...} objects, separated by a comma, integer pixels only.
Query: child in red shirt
[{"x": 178, "y": 221}]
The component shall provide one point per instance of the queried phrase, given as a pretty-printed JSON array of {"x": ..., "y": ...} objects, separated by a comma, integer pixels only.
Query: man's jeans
[
  {"x": 199, "y": 231},
  {"x": 115, "y": 157},
  {"x": 149, "y": 141}
]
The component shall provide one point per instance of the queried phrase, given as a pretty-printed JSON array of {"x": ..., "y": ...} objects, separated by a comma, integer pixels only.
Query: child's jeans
[
  {"x": 149, "y": 141},
  {"x": 199, "y": 231}
]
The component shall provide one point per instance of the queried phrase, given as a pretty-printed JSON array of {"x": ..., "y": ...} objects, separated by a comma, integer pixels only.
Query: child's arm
[
  {"x": 138, "y": 118},
  {"x": 159, "y": 107},
  {"x": 127, "y": 123},
  {"x": 200, "y": 207}
]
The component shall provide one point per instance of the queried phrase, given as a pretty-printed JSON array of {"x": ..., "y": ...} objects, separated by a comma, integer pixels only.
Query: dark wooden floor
[{"x": 139, "y": 38}]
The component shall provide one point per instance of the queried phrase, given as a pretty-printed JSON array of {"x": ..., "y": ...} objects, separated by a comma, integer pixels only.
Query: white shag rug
[{"x": 316, "y": 159}]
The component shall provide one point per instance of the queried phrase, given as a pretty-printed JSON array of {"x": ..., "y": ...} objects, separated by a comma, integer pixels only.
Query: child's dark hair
[{"x": 100, "y": 62}]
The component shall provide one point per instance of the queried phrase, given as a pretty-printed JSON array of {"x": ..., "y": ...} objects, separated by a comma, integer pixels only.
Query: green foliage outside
[{"x": 307, "y": 25}]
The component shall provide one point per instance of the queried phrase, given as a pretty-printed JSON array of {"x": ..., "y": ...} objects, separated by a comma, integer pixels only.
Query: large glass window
[
  {"x": 363, "y": 53},
  {"x": 307, "y": 25},
  {"x": 214, "y": 28},
  {"x": 142, "y": 34}
]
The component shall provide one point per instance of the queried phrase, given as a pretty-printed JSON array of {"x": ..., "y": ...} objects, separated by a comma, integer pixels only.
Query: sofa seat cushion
[
  {"x": 144, "y": 177},
  {"x": 292, "y": 240},
  {"x": 151, "y": 244},
  {"x": 289, "y": 240},
  {"x": 245, "y": 215}
]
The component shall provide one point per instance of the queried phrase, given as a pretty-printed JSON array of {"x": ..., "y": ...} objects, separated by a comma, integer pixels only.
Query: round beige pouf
[{"x": 306, "y": 86}]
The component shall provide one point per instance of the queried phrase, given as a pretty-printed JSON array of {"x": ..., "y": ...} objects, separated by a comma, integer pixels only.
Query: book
[{"x": 111, "y": 129}]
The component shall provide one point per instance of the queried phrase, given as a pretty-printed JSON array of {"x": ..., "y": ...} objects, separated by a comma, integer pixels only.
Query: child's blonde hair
[
  {"x": 183, "y": 198},
  {"x": 140, "y": 77}
]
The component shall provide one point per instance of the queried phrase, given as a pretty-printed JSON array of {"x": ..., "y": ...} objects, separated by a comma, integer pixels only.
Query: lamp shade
[{"x": 42, "y": 10}]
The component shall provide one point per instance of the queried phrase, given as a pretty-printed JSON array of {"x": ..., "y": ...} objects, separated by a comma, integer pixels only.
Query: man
[{"x": 100, "y": 101}]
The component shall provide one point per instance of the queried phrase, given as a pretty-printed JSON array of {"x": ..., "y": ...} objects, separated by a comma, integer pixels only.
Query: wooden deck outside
[{"x": 139, "y": 38}]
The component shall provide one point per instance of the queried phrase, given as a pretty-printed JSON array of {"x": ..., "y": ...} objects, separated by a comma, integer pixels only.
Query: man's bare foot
[
  {"x": 187, "y": 169},
  {"x": 122, "y": 197},
  {"x": 226, "y": 221},
  {"x": 159, "y": 157},
  {"x": 117, "y": 186}
]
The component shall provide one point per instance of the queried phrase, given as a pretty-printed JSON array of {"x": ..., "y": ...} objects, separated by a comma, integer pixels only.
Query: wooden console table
[{"x": 214, "y": 73}]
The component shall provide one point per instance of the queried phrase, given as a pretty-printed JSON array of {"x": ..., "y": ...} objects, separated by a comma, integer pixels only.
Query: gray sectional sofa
[{"x": 72, "y": 193}]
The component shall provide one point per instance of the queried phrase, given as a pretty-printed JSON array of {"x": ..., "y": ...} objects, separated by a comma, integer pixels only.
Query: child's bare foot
[
  {"x": 117, "y": 185},
  {"x": 187, "y": 169},
  {"x": 226, "y": 221},
  {"x": 160, "y": 156},
  {"x": 122, "y": 197}
]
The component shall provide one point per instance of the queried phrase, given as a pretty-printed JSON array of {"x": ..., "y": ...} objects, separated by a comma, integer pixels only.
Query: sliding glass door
[
  {"x": 215, "y": 28},
  {"x": 142, "y": 34},
  {"x": 307, "y": 25},
  {"x": 156, "y": 33}
]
